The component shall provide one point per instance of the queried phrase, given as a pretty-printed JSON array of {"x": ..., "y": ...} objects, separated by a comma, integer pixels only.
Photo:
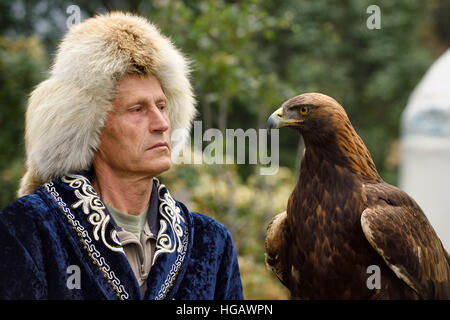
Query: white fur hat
[{"x": 67, "y": 112}]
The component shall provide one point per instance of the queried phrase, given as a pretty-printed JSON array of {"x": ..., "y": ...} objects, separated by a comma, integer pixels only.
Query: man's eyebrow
[
  {"x": 132, "y": 102},
  {"x": 146, "y": 101},
  {"x": 161, "y": 99}
]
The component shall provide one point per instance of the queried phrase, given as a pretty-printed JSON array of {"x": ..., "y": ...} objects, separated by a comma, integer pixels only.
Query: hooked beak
[{"x": 276, "y": 120}]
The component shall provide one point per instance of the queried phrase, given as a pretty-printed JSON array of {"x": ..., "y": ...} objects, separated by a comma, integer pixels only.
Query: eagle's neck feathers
[{"x": 343, "y": 147}]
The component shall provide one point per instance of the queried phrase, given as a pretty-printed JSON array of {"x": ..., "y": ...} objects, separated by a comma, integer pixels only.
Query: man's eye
[
  {"x": 136, "y": 109},
  {"x": 162, "y": 107}
]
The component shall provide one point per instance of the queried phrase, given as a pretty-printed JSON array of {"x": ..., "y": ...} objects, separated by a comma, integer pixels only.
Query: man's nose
[{"x": 159, "y": 122}]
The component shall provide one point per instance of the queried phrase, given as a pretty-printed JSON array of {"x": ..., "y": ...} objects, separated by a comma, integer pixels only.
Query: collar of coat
[{"x": 92, "y": 231}]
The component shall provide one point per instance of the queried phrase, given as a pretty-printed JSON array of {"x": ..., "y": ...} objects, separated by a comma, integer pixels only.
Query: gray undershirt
[{"x": 137, "y": 235}]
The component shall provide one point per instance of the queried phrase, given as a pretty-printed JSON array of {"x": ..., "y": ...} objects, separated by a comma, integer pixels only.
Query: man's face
[{"x": 136, "y": 136}]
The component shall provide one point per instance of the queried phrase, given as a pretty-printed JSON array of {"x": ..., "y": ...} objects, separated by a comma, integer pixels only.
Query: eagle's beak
[{"x": 276, "y": 120}]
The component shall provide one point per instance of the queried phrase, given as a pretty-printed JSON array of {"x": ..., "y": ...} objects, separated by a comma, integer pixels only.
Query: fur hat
[{"x": 67, "y": 112}]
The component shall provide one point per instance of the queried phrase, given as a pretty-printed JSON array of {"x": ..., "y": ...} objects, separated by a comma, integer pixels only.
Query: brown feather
[
  {"x": 400, "y": 232},
  {"x": 322, "y": 250},
  {"x": 273, "y": 244}
]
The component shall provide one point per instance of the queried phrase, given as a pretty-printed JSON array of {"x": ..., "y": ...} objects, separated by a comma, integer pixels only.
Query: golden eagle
[{"x": 343, "y": 221}]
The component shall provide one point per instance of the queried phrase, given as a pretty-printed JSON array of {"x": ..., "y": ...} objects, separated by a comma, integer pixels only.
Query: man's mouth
[{"x": 159, "y": 145}]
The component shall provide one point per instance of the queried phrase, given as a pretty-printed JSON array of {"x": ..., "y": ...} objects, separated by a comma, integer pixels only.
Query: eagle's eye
[{"x": 304, "y": 110}]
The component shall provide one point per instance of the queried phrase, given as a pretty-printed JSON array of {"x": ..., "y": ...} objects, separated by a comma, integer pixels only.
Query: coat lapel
[
  {"x": 173, "y": 246},
  {"x": 92, "y": 232}
]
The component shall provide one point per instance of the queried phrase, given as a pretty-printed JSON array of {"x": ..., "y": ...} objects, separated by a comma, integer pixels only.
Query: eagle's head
[
  {"x": 312, "y": 114},
  {"x": 325, "y": 127}
]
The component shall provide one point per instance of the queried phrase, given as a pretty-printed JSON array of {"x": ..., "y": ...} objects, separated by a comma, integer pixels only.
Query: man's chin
[
  {"x": 159, "y": 166},
  {"x": 165, "y": 168}
]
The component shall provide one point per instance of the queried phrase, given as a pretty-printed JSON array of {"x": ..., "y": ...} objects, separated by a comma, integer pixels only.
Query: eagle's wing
[
  {"x": 400, "y": 232},
  {"x": 274, "y": 242}
]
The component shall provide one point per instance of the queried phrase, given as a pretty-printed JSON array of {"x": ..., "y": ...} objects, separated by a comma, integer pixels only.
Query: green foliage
[
  {"x": 245, "y": 208},
  {"x": 247, "y": 58},
  {"x": 250, "y": 56},
  {"x": 22, "y": 65},
  {"x": 371, "y": 72}
]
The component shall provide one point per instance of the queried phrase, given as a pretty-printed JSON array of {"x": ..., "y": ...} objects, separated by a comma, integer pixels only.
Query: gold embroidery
[
  {"x": 93, "y": 207},
  {"x": 172, "y": 218},
  {"x": 87, "y": 243}
]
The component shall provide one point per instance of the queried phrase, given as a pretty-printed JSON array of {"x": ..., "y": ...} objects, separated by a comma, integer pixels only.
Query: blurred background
[{"x": 247, "y": 58}]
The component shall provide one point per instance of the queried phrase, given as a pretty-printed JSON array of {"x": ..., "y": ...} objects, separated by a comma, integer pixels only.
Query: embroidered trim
[
  {"x": 94, "y": 208},
  {"x": 170, "y": 279},
  {"x": 97, "y": 259},
  {"x": 172, "y": 218}
]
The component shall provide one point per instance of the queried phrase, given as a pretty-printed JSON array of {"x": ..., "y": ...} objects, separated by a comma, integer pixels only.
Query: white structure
[{"x": 425, "y": 147}]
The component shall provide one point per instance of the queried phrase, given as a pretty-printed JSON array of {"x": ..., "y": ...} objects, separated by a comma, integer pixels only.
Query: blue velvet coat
[{"x": 64, "y": 228}]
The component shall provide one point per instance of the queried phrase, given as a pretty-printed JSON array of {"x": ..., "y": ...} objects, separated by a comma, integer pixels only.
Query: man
[{"x": 92, "y": 221}]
